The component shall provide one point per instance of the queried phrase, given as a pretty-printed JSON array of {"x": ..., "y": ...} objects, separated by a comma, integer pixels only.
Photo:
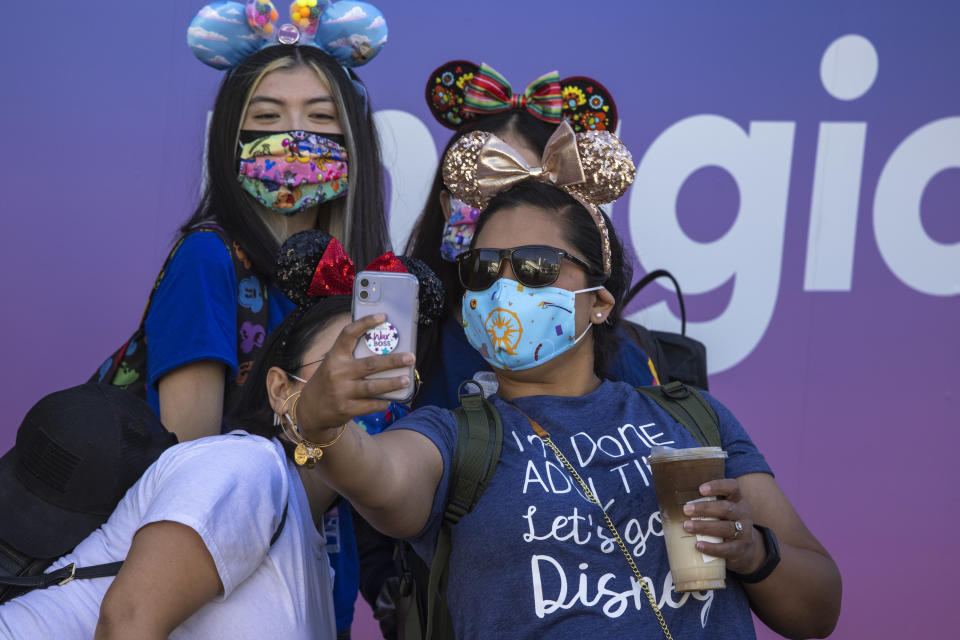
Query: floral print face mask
[
  {"x": 458, "y": 232},
  {"x": 292, "y": 170}
]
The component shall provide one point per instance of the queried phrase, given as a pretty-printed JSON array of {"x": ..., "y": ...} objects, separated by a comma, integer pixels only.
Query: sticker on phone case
[{"x": 382, "y": 339}]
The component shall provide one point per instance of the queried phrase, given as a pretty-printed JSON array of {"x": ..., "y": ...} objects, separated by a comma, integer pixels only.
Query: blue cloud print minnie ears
[{"x": 224, "y": 33}]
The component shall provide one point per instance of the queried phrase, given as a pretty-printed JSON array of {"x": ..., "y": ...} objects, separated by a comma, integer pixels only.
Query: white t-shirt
[{"x": 231, "y": 490}]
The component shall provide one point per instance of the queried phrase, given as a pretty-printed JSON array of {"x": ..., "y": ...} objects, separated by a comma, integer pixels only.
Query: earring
[
  {"x": 276, "y": 419},
  {"x": 599, "y": 315}
]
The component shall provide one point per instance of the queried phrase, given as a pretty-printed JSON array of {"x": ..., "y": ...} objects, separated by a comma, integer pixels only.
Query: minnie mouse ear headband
[
  {"x": 460, "y": 90},
  {"x": 312, "y": 265},
  {"x": 224, "y": 33},
  {"x": 593, "y": 166}
]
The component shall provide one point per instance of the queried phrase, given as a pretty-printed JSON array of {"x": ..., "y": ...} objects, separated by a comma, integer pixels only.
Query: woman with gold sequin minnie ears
[
  {"x": 291, "y": 146},
  {"x": 543, "y": 274},
  {"x": 466, "y": 97}
]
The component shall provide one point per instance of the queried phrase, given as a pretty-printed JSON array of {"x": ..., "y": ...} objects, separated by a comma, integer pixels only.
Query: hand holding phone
[{"x": 338, "y": 391}]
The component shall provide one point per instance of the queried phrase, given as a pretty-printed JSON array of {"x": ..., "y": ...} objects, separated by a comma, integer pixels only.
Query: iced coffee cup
[{"x": 677, "y": 476}]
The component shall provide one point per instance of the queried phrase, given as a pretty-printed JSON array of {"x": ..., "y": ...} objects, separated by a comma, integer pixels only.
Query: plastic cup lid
[{"x": 669, "y": 454}]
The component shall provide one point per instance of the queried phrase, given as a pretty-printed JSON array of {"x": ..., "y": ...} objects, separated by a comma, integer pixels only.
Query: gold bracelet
[{"x": 306, "y": 453}]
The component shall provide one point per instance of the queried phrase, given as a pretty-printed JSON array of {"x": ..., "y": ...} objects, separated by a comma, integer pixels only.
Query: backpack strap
[
  {"x": 252, "y": 321},
  {"x": 203, "y": 226},
  {"x": 250, "y": 340},
  {"x": 650, "y": 277},
  {"x": 685, "y": 404},
  {"x": 479, "y": 442},
  {"x": 63, "y": 575}
]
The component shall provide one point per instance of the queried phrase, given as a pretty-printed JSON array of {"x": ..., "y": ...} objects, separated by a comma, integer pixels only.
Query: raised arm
[
  {"x": 390, "y": 478},
  {"x": 801, "y": 598}
]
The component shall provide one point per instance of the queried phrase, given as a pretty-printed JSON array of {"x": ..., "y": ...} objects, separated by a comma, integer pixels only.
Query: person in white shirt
[{"x": 195, "y": 532}]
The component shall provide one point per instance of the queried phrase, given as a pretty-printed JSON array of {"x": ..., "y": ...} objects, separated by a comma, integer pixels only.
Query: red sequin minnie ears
[
  {"x": 335, "y": 272},
  {"x": 312, "y": 265},
  {"x": 460, "y": 90}
]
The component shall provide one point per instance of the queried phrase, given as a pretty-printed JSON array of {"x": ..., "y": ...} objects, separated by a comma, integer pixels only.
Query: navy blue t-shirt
[
  {"x": 537, "y": 552},
  {"x": 193, "y": 315},
  {"x": 458, "y": 361}
]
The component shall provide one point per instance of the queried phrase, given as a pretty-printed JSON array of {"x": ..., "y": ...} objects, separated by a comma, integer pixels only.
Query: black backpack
[
  {"x": 675, "y": 356},
  {"x": 20, "y": 572},
  {"x": 127, "y": 366},
  {"x": 480, "y": 439},
  {"x": 77, "y": 452}
]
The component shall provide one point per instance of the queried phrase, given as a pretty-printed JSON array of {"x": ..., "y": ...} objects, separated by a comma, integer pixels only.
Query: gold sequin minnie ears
[
  {"x": 460, "y": 90},
  {"x": 593, "y": 166}
]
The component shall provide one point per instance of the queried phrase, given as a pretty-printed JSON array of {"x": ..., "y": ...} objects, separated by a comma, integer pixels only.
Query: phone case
[{"x": 396, "y": 296}]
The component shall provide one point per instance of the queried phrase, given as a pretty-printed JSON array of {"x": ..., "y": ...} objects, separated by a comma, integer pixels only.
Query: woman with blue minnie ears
[
  {"x": 542, "y": 277},
  {"x": 291, "y": 146}
]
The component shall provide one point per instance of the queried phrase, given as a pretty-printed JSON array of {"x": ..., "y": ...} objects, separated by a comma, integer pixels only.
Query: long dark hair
[
  {"x": 285, "y": 348},
  {"x": 357, "y": 219},
  {"x": 427, "y": 233},
  {"x": 581, "y": 232}
]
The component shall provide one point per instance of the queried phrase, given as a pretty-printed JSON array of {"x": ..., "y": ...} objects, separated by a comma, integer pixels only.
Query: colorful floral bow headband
[
  {"x": 224, "y": 33},
  {"x": 312, "y": 265},
  {"x": 460, "y": 90},
  {"x": 489, "y": 92},
  {"x": 594, "y": 167}
]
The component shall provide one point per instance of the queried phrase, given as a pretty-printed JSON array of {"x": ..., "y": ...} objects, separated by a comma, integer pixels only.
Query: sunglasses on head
[{"x": 532, "y": 265}]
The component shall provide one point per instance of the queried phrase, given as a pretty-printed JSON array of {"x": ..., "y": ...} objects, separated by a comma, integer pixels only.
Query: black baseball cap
[{"x": 77, "y": 453}]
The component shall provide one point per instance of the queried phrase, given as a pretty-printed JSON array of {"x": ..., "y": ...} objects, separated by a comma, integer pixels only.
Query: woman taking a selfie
[
  {"x": 223, "y": 536},
  {"x": 543, "y": 276}
]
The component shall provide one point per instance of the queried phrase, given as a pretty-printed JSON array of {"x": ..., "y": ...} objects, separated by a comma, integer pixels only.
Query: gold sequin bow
[{"x": 594, "y": 167}]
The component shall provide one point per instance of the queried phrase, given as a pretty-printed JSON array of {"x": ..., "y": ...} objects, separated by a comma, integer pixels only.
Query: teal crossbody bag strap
[
  {"x": 688, "y": 407},
  {"x": 479, "y": 442}
]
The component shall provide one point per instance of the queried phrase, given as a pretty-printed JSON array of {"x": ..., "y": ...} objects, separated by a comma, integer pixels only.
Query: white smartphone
[{"x": 395, "y": 295}]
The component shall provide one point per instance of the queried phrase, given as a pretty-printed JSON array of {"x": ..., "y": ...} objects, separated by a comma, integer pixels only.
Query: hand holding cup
[{"x": 730, "y": 520}]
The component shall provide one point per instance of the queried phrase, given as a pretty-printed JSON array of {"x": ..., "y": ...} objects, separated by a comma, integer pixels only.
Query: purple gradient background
[{"x": 852, "y": 396}]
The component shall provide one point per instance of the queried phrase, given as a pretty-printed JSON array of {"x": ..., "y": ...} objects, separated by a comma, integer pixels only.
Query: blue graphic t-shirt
[
  {"x": 458, "y": 361},
  {"x": 537, "y": 547},
  {"x": 193, "y": 315}
]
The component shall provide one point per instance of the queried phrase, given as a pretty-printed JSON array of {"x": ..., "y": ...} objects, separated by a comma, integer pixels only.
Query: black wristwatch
[{"x": 769, "y": 563}]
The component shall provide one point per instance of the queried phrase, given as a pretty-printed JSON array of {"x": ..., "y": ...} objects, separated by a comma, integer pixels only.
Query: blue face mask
[{"x": 516, "y": 327}]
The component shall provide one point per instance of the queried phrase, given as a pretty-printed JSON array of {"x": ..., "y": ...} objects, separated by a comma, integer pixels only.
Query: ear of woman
[
  {"x": 279, "y": 387},
  {"x": 603, "y": 304}
]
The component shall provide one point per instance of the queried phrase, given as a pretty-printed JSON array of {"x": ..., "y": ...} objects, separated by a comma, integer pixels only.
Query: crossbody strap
[{"x": 641, "y": 580}]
